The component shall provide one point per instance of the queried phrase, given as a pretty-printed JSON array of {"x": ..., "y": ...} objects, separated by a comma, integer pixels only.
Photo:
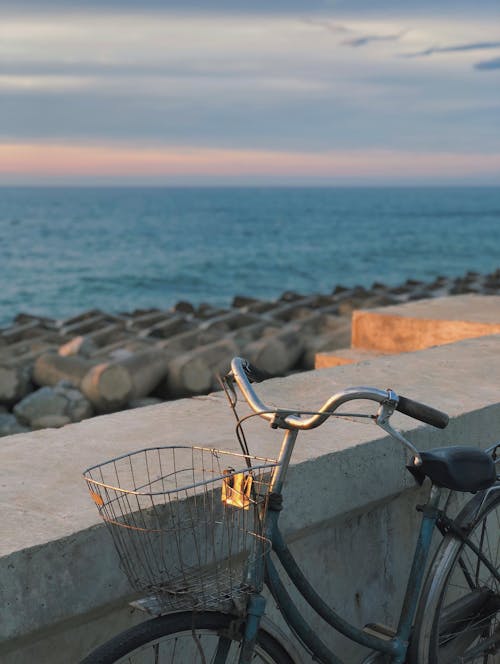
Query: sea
[{"x": 65, "y": 250}]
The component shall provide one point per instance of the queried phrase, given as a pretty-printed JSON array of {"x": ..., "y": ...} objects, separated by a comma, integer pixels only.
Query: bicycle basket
[{"x": 187, "y": 522}]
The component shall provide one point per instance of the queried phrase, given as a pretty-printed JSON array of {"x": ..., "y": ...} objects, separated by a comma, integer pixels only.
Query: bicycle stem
[{"x": 285, "y": 454}]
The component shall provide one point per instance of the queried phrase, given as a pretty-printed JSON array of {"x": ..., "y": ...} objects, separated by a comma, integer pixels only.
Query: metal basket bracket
[{"x": 236, "y": 489}]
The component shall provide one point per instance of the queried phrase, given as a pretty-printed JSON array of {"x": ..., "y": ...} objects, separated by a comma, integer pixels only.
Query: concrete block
[
  {"x": 348, "y": 498},
  {"x": 342, "y": 356},
  {"x": 421, "y": 324}
]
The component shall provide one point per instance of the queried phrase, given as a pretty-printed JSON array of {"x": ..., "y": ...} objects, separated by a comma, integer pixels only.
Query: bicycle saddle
[{"x": 456, "y": 468}]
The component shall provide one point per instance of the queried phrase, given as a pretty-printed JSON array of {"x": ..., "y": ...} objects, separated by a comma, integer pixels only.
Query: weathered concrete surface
[
  {"x": 62, "y": 591},
  {"x": 417, "y": 325}
]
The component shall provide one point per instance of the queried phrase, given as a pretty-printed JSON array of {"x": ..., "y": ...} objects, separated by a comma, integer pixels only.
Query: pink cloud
[{"x": 62, "y": 160}]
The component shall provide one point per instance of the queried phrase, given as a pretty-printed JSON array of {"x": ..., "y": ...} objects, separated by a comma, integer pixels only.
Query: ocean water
[{"x": 65, "y": 250}]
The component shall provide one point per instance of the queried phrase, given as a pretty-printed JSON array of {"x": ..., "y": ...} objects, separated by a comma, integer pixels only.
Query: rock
[
  {"x": 400, "y": 290},
  {"x": 9, "y": 425},
  {"x": 419, "y": 294},
  {"x": 441, "y": 284},
  {"x": 78, "y": 407},
  {"x": 291, "y": 296},
  {"x": 206, "y": 310},
  {"x": 44, "y": 401},
  {"x": 61, "y": 401},
  {"x": 50, "y": 422},
  {"x": 15, "y": 383},
  {"x": 240, "y": 301},
  {"x": 321, "y": 301},
  {"x": 184, "y": 307},
  {"x": 461, "y": 287},
  {"x": 492, "y": 281},
  {"x": 297, "y": 313}
]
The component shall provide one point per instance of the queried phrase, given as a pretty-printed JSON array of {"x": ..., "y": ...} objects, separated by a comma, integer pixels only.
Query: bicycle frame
[{"x": 395, "y": 647}]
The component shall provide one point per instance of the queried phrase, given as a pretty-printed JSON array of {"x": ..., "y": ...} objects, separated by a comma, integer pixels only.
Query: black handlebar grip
[
  {"x": 420, "y": 411},
  {"x": 253, "y": 374}
]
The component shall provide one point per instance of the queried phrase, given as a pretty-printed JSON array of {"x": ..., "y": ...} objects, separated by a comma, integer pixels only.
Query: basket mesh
[{"x": 187, "y": 522}]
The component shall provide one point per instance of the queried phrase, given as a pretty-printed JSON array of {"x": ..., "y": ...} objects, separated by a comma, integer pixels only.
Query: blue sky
[{"x": 236, "y": 92}]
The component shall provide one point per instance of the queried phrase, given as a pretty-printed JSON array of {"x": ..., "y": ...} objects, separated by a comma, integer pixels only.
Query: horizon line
[{"x": 229, "y": 185}]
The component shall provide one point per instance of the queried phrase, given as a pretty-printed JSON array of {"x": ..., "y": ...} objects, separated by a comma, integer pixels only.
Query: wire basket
[{"x": 187, "y": 522}]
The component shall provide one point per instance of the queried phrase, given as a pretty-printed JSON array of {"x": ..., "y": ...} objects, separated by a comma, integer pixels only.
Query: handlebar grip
[
  {"x": 420, "y": 411},
  {"x": 253, "y": 374}
]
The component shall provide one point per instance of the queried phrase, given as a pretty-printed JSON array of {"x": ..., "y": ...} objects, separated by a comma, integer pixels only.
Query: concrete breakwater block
[
  {"x": 117, "y": 360},
  {"x": 424, "y": 323}
]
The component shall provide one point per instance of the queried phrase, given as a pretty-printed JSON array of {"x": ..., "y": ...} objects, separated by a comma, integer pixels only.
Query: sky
[{"x": 320, "y": 92}]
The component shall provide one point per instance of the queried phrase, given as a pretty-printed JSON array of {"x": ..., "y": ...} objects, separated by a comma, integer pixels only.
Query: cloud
[
  {"x": 362, "y": 8},
  {"x": 268, "y": 82},
  {"x": 475, "y": 46},
  {"x": 368, "y": 39},
  {"x": 488, "y": 65},
  {"x": 191, "y": 6},
  {"x": 54, "y": 162},
  {"x": 330, "y": 26},
  {"x": 355, "y": 42}
]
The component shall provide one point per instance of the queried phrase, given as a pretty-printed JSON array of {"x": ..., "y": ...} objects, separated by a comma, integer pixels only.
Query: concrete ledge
[
  {"x": 417, "y": 325},
  {"x": 337, "y": 358},
  {"x": 62, "y": 590}
]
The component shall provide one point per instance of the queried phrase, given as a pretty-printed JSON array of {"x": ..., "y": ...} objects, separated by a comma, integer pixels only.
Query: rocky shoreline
[{"x": 54, "y": 372}]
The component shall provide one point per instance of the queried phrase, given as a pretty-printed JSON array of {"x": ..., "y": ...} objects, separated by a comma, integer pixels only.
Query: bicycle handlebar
[
  {"x": 244, "y": 373},
  {"x": 419, "y": 411}
]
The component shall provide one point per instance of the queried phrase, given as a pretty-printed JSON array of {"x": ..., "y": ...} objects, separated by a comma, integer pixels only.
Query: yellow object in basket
[{"x": 236, "y": 489}]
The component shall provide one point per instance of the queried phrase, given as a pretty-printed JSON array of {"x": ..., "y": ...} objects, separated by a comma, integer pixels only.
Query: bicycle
[{"x": 197, "y": 536}]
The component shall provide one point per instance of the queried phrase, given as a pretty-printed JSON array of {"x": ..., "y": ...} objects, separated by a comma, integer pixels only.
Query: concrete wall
[{"x": 350, "y": 515}]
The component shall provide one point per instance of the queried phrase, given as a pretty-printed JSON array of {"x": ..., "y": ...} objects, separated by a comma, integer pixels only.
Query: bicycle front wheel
[
  {"x": 459, "y": 615},
  {"x": 182, "y": 638}
]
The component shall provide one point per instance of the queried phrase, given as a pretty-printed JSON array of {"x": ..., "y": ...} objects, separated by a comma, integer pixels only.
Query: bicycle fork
[{"x": 255, "y": 610}]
